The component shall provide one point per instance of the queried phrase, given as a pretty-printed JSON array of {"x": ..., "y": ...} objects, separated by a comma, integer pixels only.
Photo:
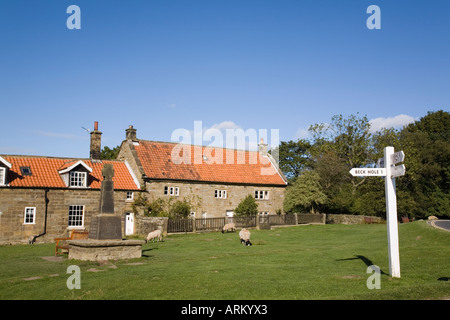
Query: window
[
  {"x": 30, "y": 215},
  {"x": 220, "y": 194},
  {"x": 130, "y": 195},
  {"x": 261, "y": 195},
  {"x": 76, "y": 216},
  {"x": 173, "y": 191},
  {"x": 26, "y": 171},
  {"x": 2, "y": 176},
  {"x": 77, "y": 179}
]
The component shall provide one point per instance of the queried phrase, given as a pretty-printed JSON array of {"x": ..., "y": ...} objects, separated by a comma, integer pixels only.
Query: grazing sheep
[
  {"x": 154, "y": 235},
  {"x": 229, "y": 227},
  {"x": 244, "y": 236}
]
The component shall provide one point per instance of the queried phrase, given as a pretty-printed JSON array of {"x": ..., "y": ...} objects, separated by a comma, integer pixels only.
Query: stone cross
[
  {"x": 107, "y": 190},
  {"x": 106, "y": 225}
]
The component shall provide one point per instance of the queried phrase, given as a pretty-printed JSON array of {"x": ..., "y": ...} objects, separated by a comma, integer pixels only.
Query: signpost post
[{"x": 389, "y": 171}]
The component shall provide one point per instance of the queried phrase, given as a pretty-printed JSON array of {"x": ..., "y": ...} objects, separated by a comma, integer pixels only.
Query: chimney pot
[
  {"x": 96, "y": 143},
  {"x": 130, "y": 133}
]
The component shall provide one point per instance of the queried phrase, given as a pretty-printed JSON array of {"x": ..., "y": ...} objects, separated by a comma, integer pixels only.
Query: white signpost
[{"x": 388, "y": 170}]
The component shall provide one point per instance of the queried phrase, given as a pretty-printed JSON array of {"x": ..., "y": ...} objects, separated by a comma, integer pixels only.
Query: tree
[
  {"x": 247, "y": 207},
  {"x": 305, "y": 194},
  {"x": 426, "y": 144},
  {"x": 294, "y": 157},
  {"x": 349, "y": 139},
  {"x": 109, "y": 154}
]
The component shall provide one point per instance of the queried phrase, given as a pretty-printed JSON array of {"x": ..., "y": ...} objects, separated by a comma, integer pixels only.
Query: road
[{"x": 442, "y": 224}]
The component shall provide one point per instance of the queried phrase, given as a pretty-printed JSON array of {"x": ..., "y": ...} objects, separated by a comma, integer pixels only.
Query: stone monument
[
  {"x": 106, "y": 225},
  {"x": 105, "y": 232}
]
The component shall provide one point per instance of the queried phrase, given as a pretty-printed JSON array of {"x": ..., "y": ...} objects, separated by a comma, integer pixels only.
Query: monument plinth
[{"x": 105, "y": 232}]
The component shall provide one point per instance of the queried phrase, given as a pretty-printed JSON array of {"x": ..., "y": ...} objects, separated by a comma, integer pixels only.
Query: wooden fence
[{"x": 216, "y": 224}]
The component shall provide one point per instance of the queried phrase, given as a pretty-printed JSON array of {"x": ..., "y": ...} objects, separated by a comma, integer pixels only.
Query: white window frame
[
  {"x": 77, "y": 179},
  {"x": 130, "y": 195},
  {"x": 75, "y": 221},
  {"x": 29, "y": 212},
  {"x": 220, "y": 194},
  {"x": 2, "y": 176},
  {"x": 262, "y": 194},
  {"x": 172, "y": 191}
]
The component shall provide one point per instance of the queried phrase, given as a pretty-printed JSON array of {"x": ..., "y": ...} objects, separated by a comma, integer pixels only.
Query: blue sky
[{"x": 160, "y": 65}]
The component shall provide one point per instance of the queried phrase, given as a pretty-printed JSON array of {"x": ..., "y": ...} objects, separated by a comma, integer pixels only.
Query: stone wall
[
  {"x": 351, "y": 219},
  {"x": 144, "y": 225},
  {"x": 13, "y": 202},
  {"x": 202, "y": 196}
]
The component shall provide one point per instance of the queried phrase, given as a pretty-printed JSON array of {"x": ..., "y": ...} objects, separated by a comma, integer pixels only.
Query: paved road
[{"x": 443, "y": 224}]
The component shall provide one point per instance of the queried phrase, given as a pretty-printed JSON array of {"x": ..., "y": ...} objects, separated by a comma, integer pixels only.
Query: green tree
[
  {"x": 109, "y": 154},
  {"x": 247, "y": 206},
  {"x": 305, "y": 194},
  {"x": 294, "y": 157}
]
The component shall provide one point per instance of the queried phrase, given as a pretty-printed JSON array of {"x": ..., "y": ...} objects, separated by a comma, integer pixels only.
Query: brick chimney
[
  {"x": 96, "y": 143},
  {"x": 262, "y": 147},
  {"x": 131, "y": 133}
]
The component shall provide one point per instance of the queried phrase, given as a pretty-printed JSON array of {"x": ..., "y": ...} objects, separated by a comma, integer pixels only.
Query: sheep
[
  {"x": 154, "y": 235},
  {"x": 244, "y": 236},
  {"x": 229, "y": 227}
]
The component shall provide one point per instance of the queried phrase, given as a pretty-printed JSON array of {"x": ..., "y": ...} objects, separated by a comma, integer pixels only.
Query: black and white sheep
[
  {"x": 244, "y": 236},
  {"x": 154, "y": 235},
  {"x": 229, "y": 227}
]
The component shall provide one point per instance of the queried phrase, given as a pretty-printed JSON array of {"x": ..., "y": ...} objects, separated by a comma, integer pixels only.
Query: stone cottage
[
  {"x": 217, "y": 178},
  {"x": 45, "y": 197}
]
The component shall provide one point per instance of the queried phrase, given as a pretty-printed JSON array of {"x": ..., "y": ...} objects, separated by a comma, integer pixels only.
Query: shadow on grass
[
  {"x": 367, "y": 261},
  {"x": 144, "y": 252}
]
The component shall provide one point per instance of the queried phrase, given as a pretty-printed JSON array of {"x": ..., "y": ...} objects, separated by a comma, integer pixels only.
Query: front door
[{"x": 129, "y": 223}]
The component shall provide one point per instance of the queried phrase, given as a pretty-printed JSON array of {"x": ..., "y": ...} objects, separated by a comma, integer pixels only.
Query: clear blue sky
[{"x": 160, "y": 65}]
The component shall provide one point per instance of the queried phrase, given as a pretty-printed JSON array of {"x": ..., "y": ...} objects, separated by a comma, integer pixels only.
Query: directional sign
[
  {"x": 398, "y": 171},
  {"x": 363, "y": 172},
  {"x": 397, "y": 157},
  {"x": 385, "y": 165}
]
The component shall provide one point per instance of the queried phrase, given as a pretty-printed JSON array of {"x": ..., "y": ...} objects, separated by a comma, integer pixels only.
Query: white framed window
[
  {"x": 76, "y": 216},
  {"x": 30, "y": 215},
  {"x": 77, "y": 179},
  {"x": 172, "y": 191},
  {"x": 261, "y": 195},
  {"x": 130, "y": 195},
  {"x": 2, "y": 176},
  {"x": 263, "y": 213},
  {"x": 220, "y": 194}
]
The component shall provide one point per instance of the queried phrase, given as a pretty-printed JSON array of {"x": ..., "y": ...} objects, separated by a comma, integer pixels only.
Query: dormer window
[
  {"x": 4, "y": 166},
  {"x": 2, "y": 176},
  {"x": 75, "y": 174},
  {"x": 77, "y": 179}
]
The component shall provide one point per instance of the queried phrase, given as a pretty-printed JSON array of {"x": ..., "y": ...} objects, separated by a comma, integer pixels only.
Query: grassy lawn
[{"x": 302, "y": 262}]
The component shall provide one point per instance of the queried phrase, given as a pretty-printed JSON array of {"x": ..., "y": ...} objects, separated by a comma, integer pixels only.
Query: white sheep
[
  {"x": 244, "y": 236},
  {"x": 154, "y": 235},
  {"x": 229, "y": 227}
]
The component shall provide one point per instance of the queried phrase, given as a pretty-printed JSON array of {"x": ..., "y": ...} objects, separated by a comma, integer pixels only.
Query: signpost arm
[{"x": 391, "y": 216}]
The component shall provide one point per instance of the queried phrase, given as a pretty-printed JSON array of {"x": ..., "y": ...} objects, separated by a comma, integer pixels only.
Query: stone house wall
[
  {"x": 13, "y": 202},
  {"x": 204, "y": 201}
]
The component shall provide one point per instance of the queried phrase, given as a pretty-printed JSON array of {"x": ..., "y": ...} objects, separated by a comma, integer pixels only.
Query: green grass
[{"x": 302, "y": 262}]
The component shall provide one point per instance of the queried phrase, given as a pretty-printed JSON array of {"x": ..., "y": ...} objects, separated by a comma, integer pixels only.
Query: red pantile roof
[
  {"x": 45, "y": 172},
  {"x": 172, "y": 161}
]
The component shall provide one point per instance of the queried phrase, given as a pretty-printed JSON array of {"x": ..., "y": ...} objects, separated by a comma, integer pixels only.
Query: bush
[{"x": 247, "y": 207}]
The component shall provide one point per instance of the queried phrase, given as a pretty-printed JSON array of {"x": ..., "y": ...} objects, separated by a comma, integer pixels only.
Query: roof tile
[{"x": 160, "y": 160}]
